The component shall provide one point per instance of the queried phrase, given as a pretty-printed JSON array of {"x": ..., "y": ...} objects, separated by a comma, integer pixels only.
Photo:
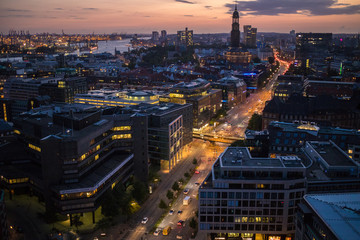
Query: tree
[
  {"x": 175, "y": 186},
  {"x": 271, "y": 60},
  {"x": 170, "y": 195},
  {"x": 103, "y": 223},
  {"x": 162, "y": 204},
  {"x": 181, "y": 180},
  {"x": 194, "y": 161},
  {"x": 257, "y": 60},
  {"x": 140, "y": 190},
  {"x": 255, "y": 122},
  {"x": 187, "y": 175},
  {"x": 76, "y": 221},
  {"x": 110, "y": 207},
  {"x": 193, "y": 223}
]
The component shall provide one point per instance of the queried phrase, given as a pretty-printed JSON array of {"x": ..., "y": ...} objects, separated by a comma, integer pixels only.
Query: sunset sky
[{"x": 203, "y": 16}]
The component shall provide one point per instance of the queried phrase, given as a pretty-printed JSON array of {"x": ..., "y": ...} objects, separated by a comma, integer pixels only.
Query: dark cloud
[
  {"x": 59, "y": 9},
  {"x": 18, "y": 16},
  {"x": 188, "y": 15},
  {"x": 208, "y": 7},
  {"x": 306, "y": 7},
  {"x": 147, "y": 16},
  {"x": 90, "y": 9},
  {"x": 17, "y": 10},
  {"x": 184, "y": 1}
]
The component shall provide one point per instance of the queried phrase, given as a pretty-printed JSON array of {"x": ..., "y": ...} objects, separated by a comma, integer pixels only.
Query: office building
[
  {"x": 114, "y": 98},
  {"x": 323, "y": 110},
  {"x": 251, "y": 198},
  {"x": 69, "y": 155},
  {"x": 185, "y": 38},
  {"x": 233, "y": 91},
  {"x": 310, "y": 45},
  {"x": 205, "y": 101},
  {"x": 64, "y": 90},
  {"x": 340, "y": 90},
  {"x": 250, "y": 36},
  {"x": 328, "y": 216},
  {"x": 330, "y": 169},
  {"x": 291, "y": 137},
  {"x": 169, "y": 129},
  {"x": 155, "y": 36},
  {"x": 257, "y": 198}
]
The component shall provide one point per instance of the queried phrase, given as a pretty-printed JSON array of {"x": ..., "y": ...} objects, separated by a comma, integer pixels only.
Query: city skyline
[{"x": 202, "y": 16}]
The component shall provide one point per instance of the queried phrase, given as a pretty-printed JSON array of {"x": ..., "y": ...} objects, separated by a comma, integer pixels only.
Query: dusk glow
[{"x": 202, "y": 16}]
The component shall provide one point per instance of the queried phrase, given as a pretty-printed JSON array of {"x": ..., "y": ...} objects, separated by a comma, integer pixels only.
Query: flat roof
[
  {"x": 240, "y": 157},
  {"x": 340, "y": 212},
  {"x": 332, "y": 154}
]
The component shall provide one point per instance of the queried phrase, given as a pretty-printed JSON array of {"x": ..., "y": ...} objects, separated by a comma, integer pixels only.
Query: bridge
[{"x": 216, "y": 138}]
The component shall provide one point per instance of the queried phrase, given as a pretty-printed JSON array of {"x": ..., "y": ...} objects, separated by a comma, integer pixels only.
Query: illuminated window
[
  {"x": 350, "y": 151},
  {"x": 34, "y": 147},
  {"x": 97, "y": 157},
  {"x": 17, "y": 131},
  {"x": 122, "y": 128},
  {"x": 97, "y": 147},
  {"x": 244, "y": 219}
]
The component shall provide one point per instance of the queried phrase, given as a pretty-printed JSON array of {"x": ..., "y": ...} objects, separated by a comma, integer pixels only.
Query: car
[
  {"x": 95, "y": 238},
  {"x": 197, "y": 183},
  {"x": 145, "y": 220},
  {"x": 171, "y": 212},
  {"x": 180, "y": 223},
  {"x": 179, "y": 212},
  {"x": 157, "y": 232},
  {"x": 186, "y": 191},
  {"x": 197, "y": 171},
  {"x": 103, "y": 234},
  {"x": 178, "y": 237}
]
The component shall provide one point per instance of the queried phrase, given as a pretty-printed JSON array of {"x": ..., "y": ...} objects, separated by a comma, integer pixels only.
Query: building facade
[{"x": 251, "y": 198}]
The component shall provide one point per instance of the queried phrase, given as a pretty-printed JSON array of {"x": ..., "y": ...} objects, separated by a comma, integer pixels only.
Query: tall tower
[{"x": 235, "y": 31}]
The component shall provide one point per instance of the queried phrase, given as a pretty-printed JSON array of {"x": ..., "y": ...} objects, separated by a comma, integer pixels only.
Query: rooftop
[
  {"x": 240, "y": 157},
  {"x": 98, "y": 177},
  {"x": 332, "y": 154},
  {"x": 340, "y": 212}
]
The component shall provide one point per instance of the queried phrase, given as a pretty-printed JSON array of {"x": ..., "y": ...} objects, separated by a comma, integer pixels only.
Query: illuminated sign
[{"x": 249, "y": 74}]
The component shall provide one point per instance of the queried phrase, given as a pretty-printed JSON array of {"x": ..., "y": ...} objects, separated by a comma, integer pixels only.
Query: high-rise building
[
  {"x": 163, "y": 34},
  {"x": 155, "y": 36},
  {"x": 250, "y": 36},
  {"x": 235, "y": 30},
  {"x": 185, "y": 38}
]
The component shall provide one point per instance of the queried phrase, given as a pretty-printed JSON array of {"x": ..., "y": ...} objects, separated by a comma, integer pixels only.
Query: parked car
[
  {"x": 157, "y": 232},
  {"x": 171, "y": 212},
  {"x": 179, "y": 212},
  {"x": 186, "y": 191}
]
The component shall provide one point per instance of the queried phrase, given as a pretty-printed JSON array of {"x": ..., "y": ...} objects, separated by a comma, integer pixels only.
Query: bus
[{"x": 166, "y": 231}]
